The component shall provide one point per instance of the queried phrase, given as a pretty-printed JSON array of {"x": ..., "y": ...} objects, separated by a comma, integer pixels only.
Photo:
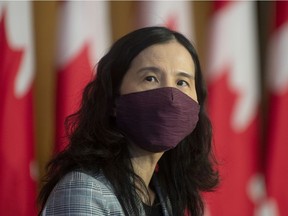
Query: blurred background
[{"x": 49, "y": 51}]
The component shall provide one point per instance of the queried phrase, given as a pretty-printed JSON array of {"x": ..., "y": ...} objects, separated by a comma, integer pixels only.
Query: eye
[
  {"x": 182, "y": 83},
  {"x": 151, "y": 79}
]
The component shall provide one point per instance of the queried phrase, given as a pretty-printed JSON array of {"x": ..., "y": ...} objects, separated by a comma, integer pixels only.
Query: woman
[{"x": 140, "y": 143}]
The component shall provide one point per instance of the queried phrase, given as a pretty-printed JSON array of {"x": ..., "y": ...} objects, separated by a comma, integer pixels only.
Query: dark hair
[{"x": 96, "y": 144}]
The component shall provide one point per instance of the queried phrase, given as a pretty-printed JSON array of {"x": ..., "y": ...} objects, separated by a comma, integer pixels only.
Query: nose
[{"x": 168, "y": 82}]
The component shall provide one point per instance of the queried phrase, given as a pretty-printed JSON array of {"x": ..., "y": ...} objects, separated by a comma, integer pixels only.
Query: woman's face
[{"x": 161, "y": 65}]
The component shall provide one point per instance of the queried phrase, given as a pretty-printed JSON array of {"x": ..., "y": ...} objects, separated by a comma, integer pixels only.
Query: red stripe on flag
[
  {"x": 277, "y": 171},
  {"x": 277, "y": 138},
  {"x": 233, "y": 107},
  {"x": 71, "y": 81},
  {"x": 235, "y": 151},
  {"x": 18, "y": 190}
]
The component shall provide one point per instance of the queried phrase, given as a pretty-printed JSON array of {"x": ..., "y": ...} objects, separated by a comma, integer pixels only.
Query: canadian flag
[
  {"x": 83, "y": 36},
  {"x": 233, "y": 103},
  {"x": 277, "y": 169},
  {"x": 17, "y": 173},
  {"x": 175, "y": 15}
]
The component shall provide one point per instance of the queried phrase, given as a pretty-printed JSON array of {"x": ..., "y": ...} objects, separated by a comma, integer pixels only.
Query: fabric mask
[{"x": 156, "y": 120}]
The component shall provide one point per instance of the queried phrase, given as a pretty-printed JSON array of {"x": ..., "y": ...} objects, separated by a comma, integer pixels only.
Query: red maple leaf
[
  {"x": 72, "y": 79},
  {"x": 18, "y": 190},
  {"x": 218, "y": 5},
  {"x": 236, "y": 151},
  {"x": 171, "y": 22},
  {"x": 281, "y": 13}
]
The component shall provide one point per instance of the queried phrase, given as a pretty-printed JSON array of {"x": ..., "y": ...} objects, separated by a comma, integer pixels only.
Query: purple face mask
[{"x": 157, "y": 120}]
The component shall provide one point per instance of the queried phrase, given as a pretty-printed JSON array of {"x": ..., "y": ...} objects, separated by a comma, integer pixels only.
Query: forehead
[{"x": 171, "y": 53}]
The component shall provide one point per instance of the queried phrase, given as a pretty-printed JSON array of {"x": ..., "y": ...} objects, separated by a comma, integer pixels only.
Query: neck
[{"x": 144, "y": 164}]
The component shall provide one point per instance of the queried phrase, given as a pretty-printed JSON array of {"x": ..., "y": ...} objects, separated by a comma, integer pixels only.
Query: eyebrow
[
  {"x": 185, "y": 74},
  {"x": 158, "y": 70},
  {"x": 154, "y": 69}
]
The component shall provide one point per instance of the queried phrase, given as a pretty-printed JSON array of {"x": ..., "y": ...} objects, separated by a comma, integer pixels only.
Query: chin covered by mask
[{"x": 156, "y": 120}]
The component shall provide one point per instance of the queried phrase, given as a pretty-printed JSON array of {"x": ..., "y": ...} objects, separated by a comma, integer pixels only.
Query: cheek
[
  {"x": 193, "y": 94},
  {"x": 128, "y": 85},
  {"x": 125, "y": 87}
]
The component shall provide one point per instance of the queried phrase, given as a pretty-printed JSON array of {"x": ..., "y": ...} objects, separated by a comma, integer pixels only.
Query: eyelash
[
  {"x": 183, "y": 81},
  {"x": 148, "y": 78}
]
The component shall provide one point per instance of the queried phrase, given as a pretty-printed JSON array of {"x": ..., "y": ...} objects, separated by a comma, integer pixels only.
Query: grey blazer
[{"x": 81, "y": 194}]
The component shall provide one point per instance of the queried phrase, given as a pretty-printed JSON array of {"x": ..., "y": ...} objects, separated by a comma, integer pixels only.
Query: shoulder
[
  {"x": 79, "y": 193},
  {"x": 81, "y": 181}
]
